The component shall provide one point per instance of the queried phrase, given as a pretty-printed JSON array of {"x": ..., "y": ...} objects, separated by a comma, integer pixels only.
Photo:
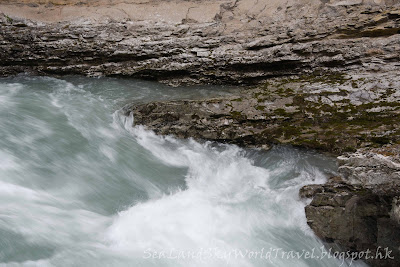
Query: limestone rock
[
  {"x": 356, "y": 213},
  {"x": 371, "y": 167},
  {"x": 313, "y": 111},
  {"x": 219, "y": 42}
]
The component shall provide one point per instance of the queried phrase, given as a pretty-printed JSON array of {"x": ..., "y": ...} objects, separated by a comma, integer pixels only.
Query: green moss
[
  {"x": 299, "y": 100},
  {"x": 280, "y": 112},
  {"x": 336, "y": 128},
  {"x": 349, "y": 149},
  {"x": 9, "y": 20},
  {"x": 260, "y": 108},
  {"x": 388, "y": 92},
  {"x": 257, "y": 94},
  {"x": 306, "y": 123},
  {"x": 291, "y": 131},
  {"x": 381, "y": 140},
  {"x": 229, "y": 105},
  {"x": 237, "y": 115}
]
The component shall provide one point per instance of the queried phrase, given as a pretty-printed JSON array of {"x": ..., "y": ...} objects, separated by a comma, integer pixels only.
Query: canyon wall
[{"x": 241, "y": 42}]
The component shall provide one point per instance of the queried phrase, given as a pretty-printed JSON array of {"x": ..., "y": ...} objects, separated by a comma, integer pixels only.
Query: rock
[
  {"x": 395, "y": 212},
  {"x": 235, "y": 43},
  {"x": 357, "y": 211},
  {"x": 313, "y": 111},
  {"x": 360, "y": 214},
  {"x": 309, "y": 191},
  {"x": 372, "y": 166}
]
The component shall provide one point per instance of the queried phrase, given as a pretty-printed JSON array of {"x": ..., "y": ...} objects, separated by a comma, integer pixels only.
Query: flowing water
[{"x": 79, "y": 186}]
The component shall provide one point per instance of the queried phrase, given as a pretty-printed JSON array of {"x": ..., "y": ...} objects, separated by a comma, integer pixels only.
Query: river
[{"x": 79, "y": 186}]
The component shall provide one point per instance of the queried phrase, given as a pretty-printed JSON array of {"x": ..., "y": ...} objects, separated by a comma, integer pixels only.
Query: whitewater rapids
[{"x": 79, "y": 186}]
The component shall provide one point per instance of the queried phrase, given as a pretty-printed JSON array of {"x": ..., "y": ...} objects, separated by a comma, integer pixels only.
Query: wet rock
[
  {"x": 309, "y": 191},
  {"x": 292, "y": 110},
  {"x": 356, "y": 213},
  {"x": 395, "y": 212}
]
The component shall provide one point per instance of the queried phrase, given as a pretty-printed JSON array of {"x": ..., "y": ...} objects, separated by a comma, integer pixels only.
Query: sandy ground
[
  {"x": 169, "y": 11},
  {"x": 71, "y": 10}
]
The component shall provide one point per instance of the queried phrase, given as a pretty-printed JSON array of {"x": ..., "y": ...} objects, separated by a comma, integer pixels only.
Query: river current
[{"x": 79, "y": 186}]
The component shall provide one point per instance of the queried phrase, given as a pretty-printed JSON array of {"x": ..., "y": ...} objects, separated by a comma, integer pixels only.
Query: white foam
[
  {"x": 227, "y": 203},
  {"x": 228, "y": 200},
  {"x": 109, "y": 152},
  {"x": 7, "y": 161},
  {"x": 63, "y": 194},
  {"x": 7, "y": 92}
]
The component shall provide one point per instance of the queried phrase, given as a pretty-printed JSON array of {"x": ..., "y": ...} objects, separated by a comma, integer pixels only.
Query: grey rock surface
[
  {"x": 319, "y": 111},
  {"x": 360, "y": 211},
  {"x": 243, "y": 41},
  {"x": 370, "y": 167}
]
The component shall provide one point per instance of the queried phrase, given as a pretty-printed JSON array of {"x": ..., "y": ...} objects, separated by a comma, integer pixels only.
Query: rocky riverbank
[
  {"x": 362, "y": 206},
  {"x": 332, "y": 112},
  {"x": 237, "y": 42},
  {"x": 317, "y": 74}
]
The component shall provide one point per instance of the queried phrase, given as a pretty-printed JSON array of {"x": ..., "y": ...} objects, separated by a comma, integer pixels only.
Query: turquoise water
[{"x": 79, "y": 186}]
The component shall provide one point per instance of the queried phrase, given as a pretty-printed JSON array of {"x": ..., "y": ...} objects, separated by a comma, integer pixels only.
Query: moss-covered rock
[{"x": 322, "y": 111}]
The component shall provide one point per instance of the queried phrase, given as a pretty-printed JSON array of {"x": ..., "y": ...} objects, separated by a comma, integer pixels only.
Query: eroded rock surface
[
  {"x": 369, "y": 167},
  {"x": 330, "y": 112},
  {"x": 360, "y": 214},
  {"x": 237, "y": 42},
  {"x": 357, "y": 111}
]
